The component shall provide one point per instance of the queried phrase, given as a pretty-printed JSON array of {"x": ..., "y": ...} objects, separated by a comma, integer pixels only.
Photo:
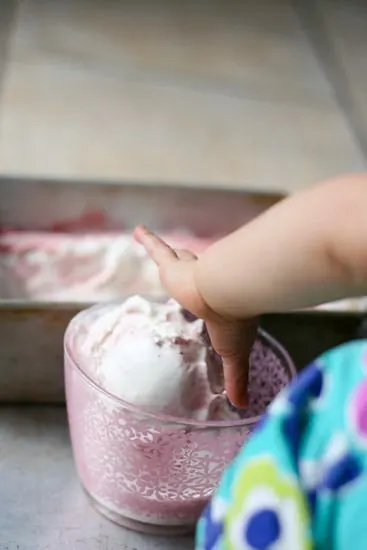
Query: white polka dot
[
  {"x": 281, "y": 405},
  {"x": 218, "y": 509}
]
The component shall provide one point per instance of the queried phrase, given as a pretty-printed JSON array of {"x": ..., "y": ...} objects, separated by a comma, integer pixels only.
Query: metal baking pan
[
  {"x": 31, "y": 333},
  {"x": 207, "y": 212}
]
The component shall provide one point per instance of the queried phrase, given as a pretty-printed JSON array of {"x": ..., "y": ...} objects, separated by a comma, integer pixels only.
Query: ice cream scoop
[{"x": 150, "y": 355}]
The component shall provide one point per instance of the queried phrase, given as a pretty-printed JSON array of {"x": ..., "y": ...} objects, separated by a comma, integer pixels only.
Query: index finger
[
  {"x": 160, "y": 252},
  {"x": 236, "y": 380}
]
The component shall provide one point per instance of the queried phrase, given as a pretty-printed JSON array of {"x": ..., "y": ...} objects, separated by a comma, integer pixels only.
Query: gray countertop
[{"x": 42, "y": 504}]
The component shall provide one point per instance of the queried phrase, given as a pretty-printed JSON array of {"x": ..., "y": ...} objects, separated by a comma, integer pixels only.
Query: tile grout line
[{"x": 313, "y": 25}]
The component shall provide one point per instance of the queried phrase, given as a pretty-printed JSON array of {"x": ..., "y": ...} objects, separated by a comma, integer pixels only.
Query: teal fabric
[{"x": 300, "y": 482}]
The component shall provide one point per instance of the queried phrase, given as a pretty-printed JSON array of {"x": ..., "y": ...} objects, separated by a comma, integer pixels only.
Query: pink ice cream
[
  {"x": 151, "y": 356},
  {"x": 83, "y": 268}
]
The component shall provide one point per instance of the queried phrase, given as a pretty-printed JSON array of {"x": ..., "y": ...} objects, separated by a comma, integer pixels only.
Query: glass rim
[{"x": 269, "y": 340}]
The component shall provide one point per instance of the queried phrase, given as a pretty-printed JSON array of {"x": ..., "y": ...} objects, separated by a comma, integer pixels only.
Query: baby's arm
[{"x": 308, "y": 249}]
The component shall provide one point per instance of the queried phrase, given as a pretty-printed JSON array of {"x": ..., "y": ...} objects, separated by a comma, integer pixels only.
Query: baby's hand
[{"x": 232, "y": 339}]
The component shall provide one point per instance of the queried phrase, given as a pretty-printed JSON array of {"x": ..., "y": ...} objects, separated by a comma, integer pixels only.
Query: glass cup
[{"x": 151, "y": 472}]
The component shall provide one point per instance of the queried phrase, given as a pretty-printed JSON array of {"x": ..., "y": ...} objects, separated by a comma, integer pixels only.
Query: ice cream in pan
[
  {"x": 80, "y": 267},
  {"x": 54, "y": 266}
]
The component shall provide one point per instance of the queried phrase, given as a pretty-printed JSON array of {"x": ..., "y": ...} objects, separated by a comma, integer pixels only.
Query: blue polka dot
[
  {"x": 312, "y": 499},
  {"x": 262, "y": 529},
  {"x": 341, "y": 473},
  {"x": 292, "y": 432},
  {"x": 308, "y": 384}
]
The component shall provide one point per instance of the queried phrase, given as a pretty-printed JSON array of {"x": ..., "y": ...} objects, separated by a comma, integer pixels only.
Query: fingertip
[
  {"x": 146, "y": 237},
  {"x": 236, "y": 384},
  {"x": 160, "y": 252},
  {"x": 238, "y": 400},
  {"x": 139, "y": 232}
]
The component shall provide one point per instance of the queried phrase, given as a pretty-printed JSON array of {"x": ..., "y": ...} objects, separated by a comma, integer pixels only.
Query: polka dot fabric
[{"x": 300, "y": 482}]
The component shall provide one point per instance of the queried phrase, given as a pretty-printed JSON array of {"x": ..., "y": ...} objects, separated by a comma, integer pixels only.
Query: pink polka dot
[{"x": 359, "y": 410}]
